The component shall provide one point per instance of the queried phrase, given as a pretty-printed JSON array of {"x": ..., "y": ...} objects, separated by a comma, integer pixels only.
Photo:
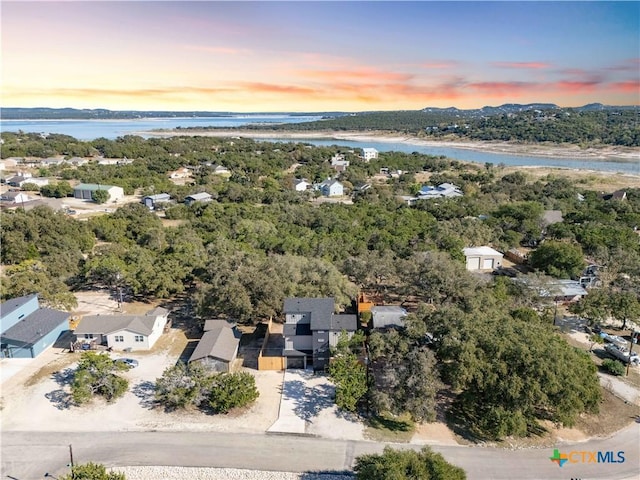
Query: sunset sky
[{"x": 318, "y": 56}]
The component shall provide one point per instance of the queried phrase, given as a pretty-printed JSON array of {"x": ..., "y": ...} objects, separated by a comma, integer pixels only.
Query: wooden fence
[{"x": 270, "y": 363}]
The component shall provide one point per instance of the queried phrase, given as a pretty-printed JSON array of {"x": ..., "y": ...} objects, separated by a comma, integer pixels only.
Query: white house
[
  {"x": 15, "y": 197},
  {"x": 369, "y": 154},
  {"x": 39, "y": 181},
  {"x": 301, "y": 185},
  {"x": 120, "y": 332},
  {"x": 338, "y": 163},
  {"x": 221, "y": 170},
  {"x": 482, "y": 259},
  {"x": 446, "y": 190},
  {"x": 331, "y": 188}
]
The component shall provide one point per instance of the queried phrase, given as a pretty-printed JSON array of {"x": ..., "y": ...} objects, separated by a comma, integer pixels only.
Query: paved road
[{"x": 28, "y": 455}]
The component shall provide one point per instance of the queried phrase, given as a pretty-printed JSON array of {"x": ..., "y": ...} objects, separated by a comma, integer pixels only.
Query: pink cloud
[
  {"x": 525, "y": 65},
  {"x": 569, "y": 86},
  {"x": 439, "y": 65},
  {"x": 630, "y": 86}
]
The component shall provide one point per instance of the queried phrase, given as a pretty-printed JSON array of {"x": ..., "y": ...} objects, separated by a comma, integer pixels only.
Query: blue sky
[{"x": 314, "y": 56}]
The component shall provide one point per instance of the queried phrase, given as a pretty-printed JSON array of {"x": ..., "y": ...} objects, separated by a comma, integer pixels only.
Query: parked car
[
  {"x": 622, "y": 354},
  {"x": 129, "y": 362}
]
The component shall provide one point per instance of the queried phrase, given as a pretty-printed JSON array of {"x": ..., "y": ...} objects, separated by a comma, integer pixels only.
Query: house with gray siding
[
  {"x": 311, "y": 328},
  {"x": 28, "y": 330},
  {"x": 151, "y": 201},
  {"x": 218, "y": 347}
]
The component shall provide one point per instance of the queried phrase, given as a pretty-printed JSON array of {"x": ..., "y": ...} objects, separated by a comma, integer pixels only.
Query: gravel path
[{"x": 195, "y": 473}]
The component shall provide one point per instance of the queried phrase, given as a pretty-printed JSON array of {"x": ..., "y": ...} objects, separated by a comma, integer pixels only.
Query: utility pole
[
  {"x": 71, "y": 458},
  {"x": 633, "y": 335}
]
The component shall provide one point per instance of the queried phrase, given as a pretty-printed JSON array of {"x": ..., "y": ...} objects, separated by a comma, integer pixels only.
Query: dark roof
[
  {"x": 320, "y": 310},
  {"x": 219, "y": 343},
  {"x": 36, "y": 326},
  {"x": 16, "y": 178},
  {"x": 344, "y": 322},
  {"x": 13, "y": 304}
]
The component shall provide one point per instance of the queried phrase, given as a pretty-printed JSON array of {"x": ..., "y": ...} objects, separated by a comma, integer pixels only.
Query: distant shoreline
[{"x": 606, "y": 152}]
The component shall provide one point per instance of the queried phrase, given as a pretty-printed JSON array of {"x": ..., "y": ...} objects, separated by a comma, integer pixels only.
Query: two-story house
[{"x": 311, "y": 328}]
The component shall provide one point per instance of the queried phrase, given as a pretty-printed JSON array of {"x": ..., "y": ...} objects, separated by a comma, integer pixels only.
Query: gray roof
[
  {"x": 13, "y": 304},
  {"x": 220, "y": 343},
  {"x": 12, "y": 195},
  {"x": 199, "y": 196},
  {"x": 92, "y": 187},
  {"x": 36, "y": 326},
  {"x": 217, "y": 323},
  {"x": 549, "y": 217},
  {"x": 158, "y": 197},
  {"x": 106, "y": 324},
  {"x": 158, "y": 312},
  {"x": 320, "y": 309},
  {"x": 16, "y": 179},
  {"x": 387, "y": 315},
  {"x": 343, "y": 321}
]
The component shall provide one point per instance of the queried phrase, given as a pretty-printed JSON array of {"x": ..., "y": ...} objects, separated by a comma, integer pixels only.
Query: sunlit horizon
[{"x": 249, "y": 57}]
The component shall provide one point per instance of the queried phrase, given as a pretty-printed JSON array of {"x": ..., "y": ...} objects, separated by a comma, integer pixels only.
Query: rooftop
[
  {"x": 484, "y": 251},
  {"x": 220, "y": 343},
  {"x": 36, "y": 326}
]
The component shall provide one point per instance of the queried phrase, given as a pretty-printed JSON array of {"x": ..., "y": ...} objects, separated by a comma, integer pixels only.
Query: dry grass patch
[
  {"x": 387, "y": 428},
  {"x": 614, "y": 415},
  {"x": 50, "y": 368}
]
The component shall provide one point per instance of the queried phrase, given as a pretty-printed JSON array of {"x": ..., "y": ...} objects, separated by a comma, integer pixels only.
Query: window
[
  {"x": 139, "y": 338},
  {"x": 88, "y": 335},
  {"x": 118, "y": 338}
]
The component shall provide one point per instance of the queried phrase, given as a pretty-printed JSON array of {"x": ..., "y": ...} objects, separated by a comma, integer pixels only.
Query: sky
[{"x": 317, "y": 56}]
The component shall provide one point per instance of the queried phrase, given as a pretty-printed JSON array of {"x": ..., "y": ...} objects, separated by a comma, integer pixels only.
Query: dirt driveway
[{"x": 37, "y": 399}]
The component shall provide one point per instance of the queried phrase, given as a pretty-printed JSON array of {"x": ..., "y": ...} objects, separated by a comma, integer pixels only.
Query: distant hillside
[{"x": 42, "y": 113}]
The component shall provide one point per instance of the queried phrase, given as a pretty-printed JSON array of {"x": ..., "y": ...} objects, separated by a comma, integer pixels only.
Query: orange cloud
[
  {"x": 256, "y": 87},
  {"x": 356, "y": 74},
  {"x": 525, "y": 65}
]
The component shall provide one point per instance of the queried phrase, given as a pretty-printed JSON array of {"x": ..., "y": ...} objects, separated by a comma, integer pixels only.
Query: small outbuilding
[
  {"x": 384, "y": 316},
  {"x": 197, "y": 197},
  {"x": 482, "y": 259},
  {"x": 150, "y": 201},
  {"x": 218, "y": 347}
]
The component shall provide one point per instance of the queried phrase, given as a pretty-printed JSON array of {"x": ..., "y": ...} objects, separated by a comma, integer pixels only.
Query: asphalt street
[{"x": 29, "y": 455}]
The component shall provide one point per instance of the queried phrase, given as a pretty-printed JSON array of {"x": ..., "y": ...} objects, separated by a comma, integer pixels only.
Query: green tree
[
  {"x": 350, "y": 377},
  {"x": 558, "y": 259},
  {"x": 92, "y": 471},
  {"x": 183, "y": 385},
  {"x": 32, "y": 276},
  {"x": 100, "y": 196},
  {"x": 96, "y": 375},
  {"x": 395, "y": 464},
  {"x": 232, "y": 390}
]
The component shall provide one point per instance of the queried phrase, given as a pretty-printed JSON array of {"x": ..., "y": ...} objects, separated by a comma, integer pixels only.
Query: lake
[{"x": 111, "y": 129}]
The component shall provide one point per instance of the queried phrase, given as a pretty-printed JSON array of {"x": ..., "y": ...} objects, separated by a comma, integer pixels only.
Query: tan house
[
  {"x": 482, "y": 259},
  {"x": 123, "y": 332}
]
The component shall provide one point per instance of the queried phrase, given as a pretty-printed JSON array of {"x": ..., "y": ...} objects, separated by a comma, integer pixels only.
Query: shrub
[
  {"x": 614, "y": 367},
  {"x": 232, "y": 390},
  {"x": 406, "y": 465}
]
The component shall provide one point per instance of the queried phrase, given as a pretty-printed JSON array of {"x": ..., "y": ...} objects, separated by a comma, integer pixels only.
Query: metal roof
[
  {"x": 36, "y": 326},
  {"x": 13, "y": 304},
  {"x": 483, "y": 251}
]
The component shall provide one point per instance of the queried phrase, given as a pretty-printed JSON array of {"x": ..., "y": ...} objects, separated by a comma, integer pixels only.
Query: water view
[{"x": 92, "y": 129}]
